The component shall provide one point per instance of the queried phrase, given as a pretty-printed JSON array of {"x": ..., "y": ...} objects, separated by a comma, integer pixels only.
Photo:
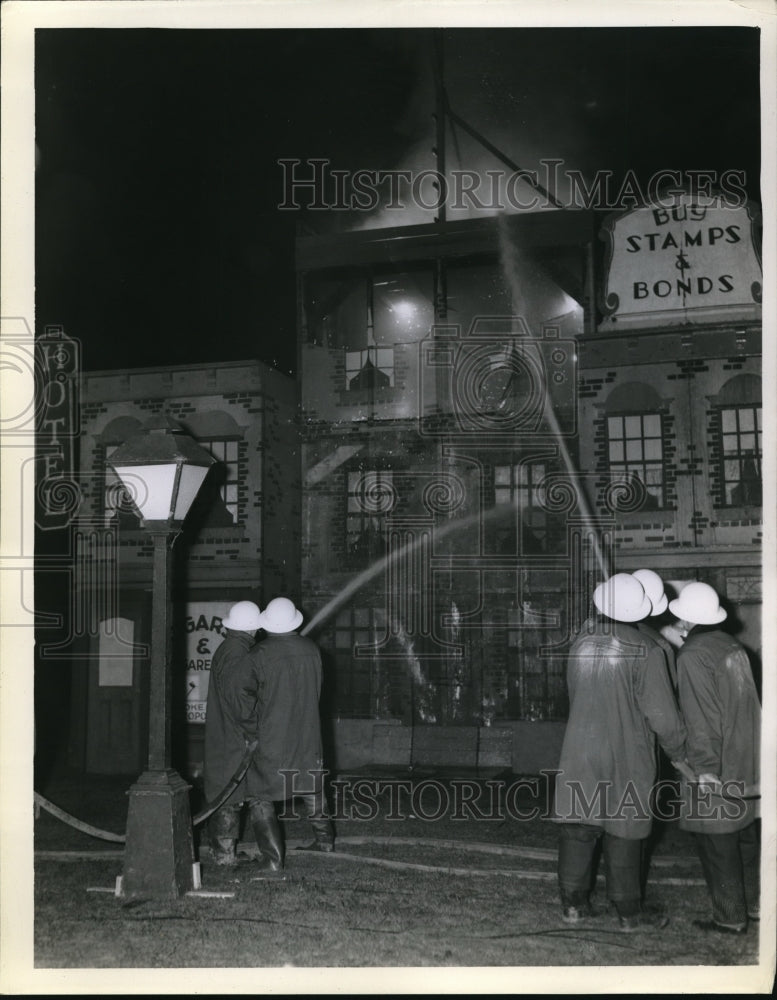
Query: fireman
[
  {"x": 654, "y": 588},
  {"x": 230, "y": 726},
  {"x": 288, "y": 762},
  {"x": 719, "y": 701},
  {"x": 620, "y": 704}
]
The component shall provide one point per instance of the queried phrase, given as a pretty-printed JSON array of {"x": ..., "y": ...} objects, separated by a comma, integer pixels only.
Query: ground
[{"x": 482, "y": 892}]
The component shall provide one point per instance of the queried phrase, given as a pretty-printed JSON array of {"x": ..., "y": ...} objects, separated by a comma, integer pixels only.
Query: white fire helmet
[
  {"x": 654, "y": 588},
  {"x": 699, "y": 604},
  {"x": 280, "y": 616},
  {"x": 243, "y": 617},
  {"x": 622, "y": 598}
]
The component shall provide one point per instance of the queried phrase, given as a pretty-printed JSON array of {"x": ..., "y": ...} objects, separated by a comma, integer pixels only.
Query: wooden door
[{"x": 116, "y": 727}]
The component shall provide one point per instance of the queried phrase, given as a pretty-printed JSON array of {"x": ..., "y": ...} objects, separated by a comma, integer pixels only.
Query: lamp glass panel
[
  {"x": 150, "y": 487},
  {"x": 192, "y": 477}
]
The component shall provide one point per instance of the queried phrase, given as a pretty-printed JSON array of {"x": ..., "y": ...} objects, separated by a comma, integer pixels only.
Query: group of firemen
[
  {"x": 630, "y": 688},
  {"x": 685, "y": 686},
  {"x": 263, "y": 704}
]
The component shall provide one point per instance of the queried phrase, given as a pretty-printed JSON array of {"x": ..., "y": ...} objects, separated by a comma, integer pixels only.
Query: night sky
[{"x": 158, "y": 236}]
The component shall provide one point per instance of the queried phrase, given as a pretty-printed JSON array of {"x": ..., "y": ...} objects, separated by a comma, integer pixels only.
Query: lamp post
[{"x": 162, "y": 470}]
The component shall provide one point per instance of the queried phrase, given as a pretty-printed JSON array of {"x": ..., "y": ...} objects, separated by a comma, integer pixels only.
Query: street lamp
[{"x": 162, "y": 469}]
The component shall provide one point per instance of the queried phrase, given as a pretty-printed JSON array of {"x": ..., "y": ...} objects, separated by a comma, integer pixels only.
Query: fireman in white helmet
[
  {"x": 288, "y": 762},
  {"x": 719, "y": 701},
  {"x": 229, "y": 727},
  {"x": 620, "y": 704}
]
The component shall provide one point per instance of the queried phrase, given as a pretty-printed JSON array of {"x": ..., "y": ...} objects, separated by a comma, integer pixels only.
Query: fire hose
[{"x": 120, "y": 838}]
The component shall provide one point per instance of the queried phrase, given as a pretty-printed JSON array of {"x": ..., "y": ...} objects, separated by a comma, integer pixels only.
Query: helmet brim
[
  {"x": 238, "y": 626},
  {"x": 623, "y": 615},
  {"x": 660, "y": 608},
  {"x": 679, "y": 611},
  {"x": 275, "y": 628}
]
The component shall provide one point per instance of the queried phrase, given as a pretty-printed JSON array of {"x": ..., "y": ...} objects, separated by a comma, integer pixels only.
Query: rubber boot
[
  {"x": 643, "y": 920},
  {"x": 269, "y": 838},
  {"x": 576, "y": 850},
  {"x": 223, "y": 851},
  {"x": 575, "y": 906},
  {"x": 323, "y": 829},
  {"x": 223, "y": 830},
  {"x": 622, "y": 871},
  {"x": 324, "y": 836}
]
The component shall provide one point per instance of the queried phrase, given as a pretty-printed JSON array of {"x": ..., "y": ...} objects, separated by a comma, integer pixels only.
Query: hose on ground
[
  {"x": 93, "y": 831},
  {"x": 120, "y": 838}
]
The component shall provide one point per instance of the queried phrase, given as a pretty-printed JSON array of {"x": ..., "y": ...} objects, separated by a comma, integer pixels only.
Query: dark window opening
[
  {"x": 741, "y": 451},
  {"x": 521, "y": 522},
  {"x": 371, "y": 497}
]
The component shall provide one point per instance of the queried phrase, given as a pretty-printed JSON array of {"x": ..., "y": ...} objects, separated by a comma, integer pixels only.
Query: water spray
[{"x": 511, "y": 272}]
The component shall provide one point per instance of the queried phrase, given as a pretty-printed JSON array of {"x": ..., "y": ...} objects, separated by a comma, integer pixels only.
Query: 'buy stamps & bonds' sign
[{"x": 683, "y": 261}]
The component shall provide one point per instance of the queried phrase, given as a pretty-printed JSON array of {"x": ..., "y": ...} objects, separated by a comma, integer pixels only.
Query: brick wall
[{"x": 261, "y": 405}]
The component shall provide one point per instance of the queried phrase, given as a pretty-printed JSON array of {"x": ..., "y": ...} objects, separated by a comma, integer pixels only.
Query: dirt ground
[{"x": 401, "y": 890}]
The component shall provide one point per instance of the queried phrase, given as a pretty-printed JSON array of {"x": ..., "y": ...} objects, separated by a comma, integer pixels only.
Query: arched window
[
  {"x": 635, "y": 434},
  {"x": 116, "y": 501},
  {"x": 220, "y": 434},
  {"x": 739, "y": 414}
]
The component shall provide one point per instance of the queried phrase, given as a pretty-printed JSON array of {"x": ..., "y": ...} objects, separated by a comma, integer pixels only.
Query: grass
[{"x": 337, "y": 912}]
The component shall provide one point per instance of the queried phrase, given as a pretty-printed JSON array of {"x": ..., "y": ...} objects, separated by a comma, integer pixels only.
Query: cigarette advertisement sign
[
  {"x": 204, "y": 633},
  {"x": 689, "y": 260}
]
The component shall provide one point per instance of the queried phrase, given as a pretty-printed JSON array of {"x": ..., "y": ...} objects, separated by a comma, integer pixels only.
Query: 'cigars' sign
[
  {"x": 204, "y": 633},
  {"x": 686, "y": 260}
]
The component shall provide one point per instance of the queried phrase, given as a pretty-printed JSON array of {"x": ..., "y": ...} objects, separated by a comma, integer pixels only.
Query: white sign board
[
  {"x": 686, "y": 261},
  {"x": 204, "y": 633}
]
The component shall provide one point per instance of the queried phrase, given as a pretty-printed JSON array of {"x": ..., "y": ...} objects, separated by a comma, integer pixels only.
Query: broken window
[
  {"x": 366, "y": 313},
  {"x": 371, "y": 497},
  {"x": 740, "y": 430},
  {"x": 372, "y": 368},
  {"x": 522, "y": 523},
  {"x": 226, "y": 452}
]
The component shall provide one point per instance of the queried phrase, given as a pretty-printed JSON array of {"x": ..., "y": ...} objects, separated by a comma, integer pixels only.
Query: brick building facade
[
  {"x": 240, "y": 541},
  {"x": 480, "y": 434},
  {"x": 454, "y": 525}
]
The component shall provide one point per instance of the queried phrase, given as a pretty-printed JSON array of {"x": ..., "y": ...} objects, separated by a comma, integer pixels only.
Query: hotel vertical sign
[
  {"x": 58, "y": 394},
  {"x": 686, "y": 260}
]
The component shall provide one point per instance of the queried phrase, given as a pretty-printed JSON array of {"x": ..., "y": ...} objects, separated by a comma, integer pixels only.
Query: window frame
[
  {"x": 359, "y": 625},
  {"x": 374, "y": 354},
  {"x": 621, "y": 470},
  {"x": 231, "y": 482},
  {"x": 356, "y": 509},
  {"x": 524, "y": 481},
  {"x": 739, "y": 456}
]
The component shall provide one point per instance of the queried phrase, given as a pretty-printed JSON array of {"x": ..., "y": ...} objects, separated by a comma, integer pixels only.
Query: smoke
[{"x": 494, "y": 89}]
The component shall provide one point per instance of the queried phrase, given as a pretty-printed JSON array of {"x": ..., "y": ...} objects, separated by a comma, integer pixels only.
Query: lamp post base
[{"x": 159, "y": 850}]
